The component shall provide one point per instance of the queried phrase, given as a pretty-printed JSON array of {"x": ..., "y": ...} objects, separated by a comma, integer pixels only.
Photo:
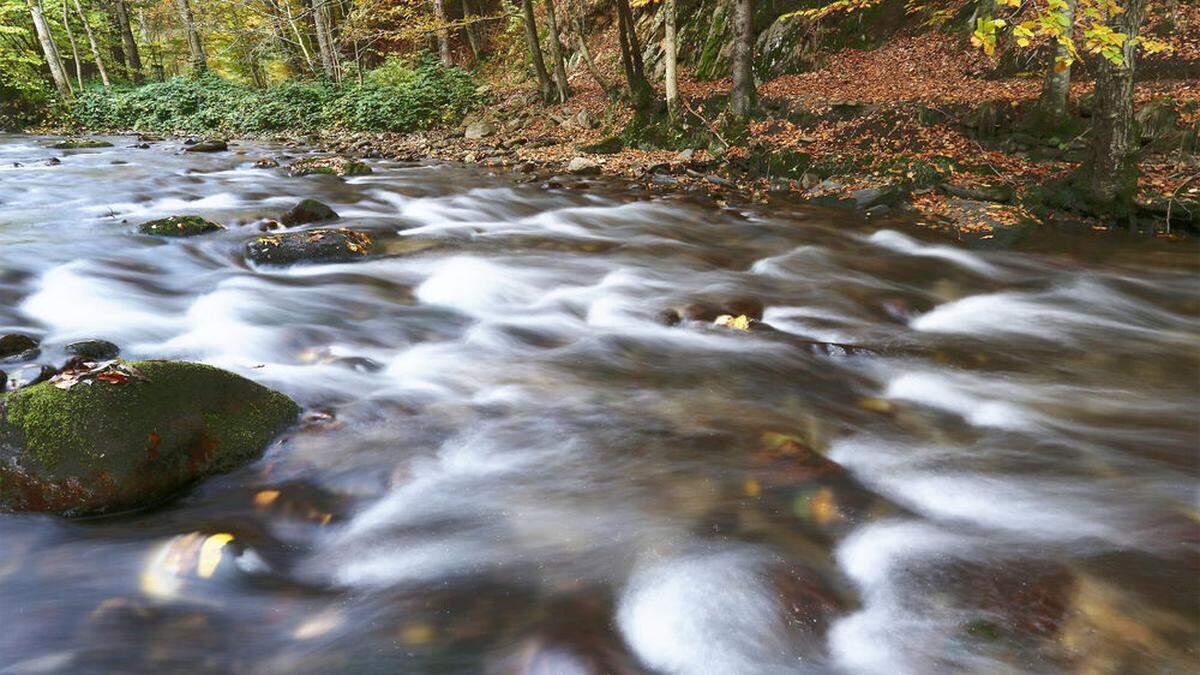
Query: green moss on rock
[
  {"x": 100, "y": 447},
  {"x": 179, "y": 226}
]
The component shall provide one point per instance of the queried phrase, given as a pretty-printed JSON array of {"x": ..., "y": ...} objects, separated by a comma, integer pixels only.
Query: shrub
[{"x": 393, "y": 97}]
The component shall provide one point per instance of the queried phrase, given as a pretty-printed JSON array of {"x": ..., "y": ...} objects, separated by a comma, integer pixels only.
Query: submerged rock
[
  {"x": 210, "y": 145},
  {"x": 80, "y": 143},
  {"x": 132, "y": 436},
  {"x": 319, "y": 245},
  {"x": 93, "y": 349},
  {"x": 307, "y": 211},
  {"x": 266, "y": 164},
  {"x": 17, "y": 346},
  {"x": 336, "y": 166},
  {"x": 179, "y": 226}
]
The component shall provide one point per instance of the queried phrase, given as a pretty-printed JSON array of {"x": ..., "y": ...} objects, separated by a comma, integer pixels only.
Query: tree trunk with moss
[
  {"x": 1056, "y": 92},
  {"x": 743, "y": 94},
  {"x": 92, "y": 44},
  {"x": 640, "y": 92},
  {"x": 1111, "y": 173},
  {"x": 49, "y": 50},
  {"x": 443, "y": 34},
  {"x": 533, "y": 44},
  {"x": 556, "y": 53},
  {"x": 195, "y": 46},
  {"x": 470, "y": 31},
  {"x": 133, "y": 59}
]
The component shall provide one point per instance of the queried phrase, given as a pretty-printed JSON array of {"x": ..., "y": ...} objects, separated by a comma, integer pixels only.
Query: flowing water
[{"x": 508, "y": 463}]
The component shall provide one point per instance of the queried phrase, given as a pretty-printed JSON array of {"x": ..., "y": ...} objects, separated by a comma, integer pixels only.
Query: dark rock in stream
[
  {"x": 336, "y": 166},
  {"x": 53, "y": 161},
  {"x": 3, "y": 381},
  {"x": 307, "y": 211},
  {"x": 210, "y": 145},
  {"x": 17, "y": 347},
  {"x": 131, "y": 436},
  {"x": 179, "y": 226},
  {"x": 93, "y": 349},
  {"x": 319, "y": 245}
]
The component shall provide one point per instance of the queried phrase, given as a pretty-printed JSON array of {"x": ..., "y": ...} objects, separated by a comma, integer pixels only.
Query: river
[{"x": 509, "y": 464}]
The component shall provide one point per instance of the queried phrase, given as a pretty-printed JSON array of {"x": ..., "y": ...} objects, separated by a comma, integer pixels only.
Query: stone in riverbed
[
  {"x": 132, "y": 437},
  {"x": 80, "y": 144},
  {"x": 336, "y": 166},
  {"x": 210, "y": 145},
  {"x": 179, "y": 226},
  {"x": 477, "y": 130},
  {"x": 307, "y": 211},
  {"x": 17, "y": 346},
  {"x": 266, "y": 163},
  {"x": 319, "y": 245},
  {"x": 93, "y": 349},
  {"x": 582, "y": 166}
]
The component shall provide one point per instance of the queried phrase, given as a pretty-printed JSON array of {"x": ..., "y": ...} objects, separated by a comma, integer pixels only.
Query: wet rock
[
  {"x": 708, "y": 312},
  {"x": 478, "y": 130},
  {"x": 582, "y": 166},
  {"x": 209, "y": 145},
  {"x": 131, "y": 440},
  {"x": 319, "y": 245},
  {"x": 17, "y": 346},
  {"x": 1002, "y": 194},
  {"x": 140, "y": 146},
  {"x": 878, "y": 211},
  {"x": 93, "y": 349},
  {"x": 33, "y": 374},
  {"x": 307, "y": 211},
  {"x": 266, "y": 164},
  {"x": 336, "y": 166},
  {"x": 179, "y": 226},
  {"x": 80, "y": 143},
  {"x": 53, "y": 161},
  {"x": 887, "y": 195},
  {"x": 3, "y": 381}
]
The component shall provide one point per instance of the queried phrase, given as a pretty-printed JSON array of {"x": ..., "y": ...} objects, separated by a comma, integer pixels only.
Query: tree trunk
[
  {"x": 743, "y": 93},
  {"x": 74, "y": 47},
  {"x": 325, "y": 43},
  {"x": 470, "y": 31},
  {"x": 92, "y": 43},
  {"x": 640, "y": 92},
  {"x": 291, "y": 19},
  {"x": 581, "y": 29},
  {"x": 669, "y": 48},
  {"x": 533, "y": 43},
  {"x": 1056, "y": 93},
  {"x": 1112, "y": 170},
  {"x": 195, "y": 46},
  {"x": 132, "y": 57},
  {"x": 556, "y": 52},
  {"x": 443, "y": 34},
  {"x": 49, "y": 50}
]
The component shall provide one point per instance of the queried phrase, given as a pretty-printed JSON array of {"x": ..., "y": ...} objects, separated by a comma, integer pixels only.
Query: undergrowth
[{"x": 392, "y": 97}]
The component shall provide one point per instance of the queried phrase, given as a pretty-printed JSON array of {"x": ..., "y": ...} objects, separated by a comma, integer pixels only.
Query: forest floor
[{"x": 918, "y": 116}]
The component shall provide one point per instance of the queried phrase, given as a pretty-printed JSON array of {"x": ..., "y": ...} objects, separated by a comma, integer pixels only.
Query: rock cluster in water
[{"x": 337, "y": 166}]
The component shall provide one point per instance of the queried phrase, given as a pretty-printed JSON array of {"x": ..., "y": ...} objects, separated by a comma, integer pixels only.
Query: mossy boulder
[
  {"x": 208, "y": 145},
  {"x": 179, "y": 226},
  {"x": 307, "y": 211},
  {"x": 103, "y": 446},
  {"x": 17, "y": 346},
  {"x": 80, "y": 144},
  {"x": 336, "y": 166},
  {"x": 318, "y": 245}
]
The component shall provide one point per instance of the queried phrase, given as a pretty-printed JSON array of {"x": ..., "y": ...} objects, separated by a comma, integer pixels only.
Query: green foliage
[
  {"x": 24, "y": 91},
  {"x": 391, "y": 98}
]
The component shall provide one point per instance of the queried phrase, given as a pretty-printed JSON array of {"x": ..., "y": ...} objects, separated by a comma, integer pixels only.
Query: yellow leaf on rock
[
  {"x": 210, "y": 554},
  {"x": 752, "y": 488}
]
